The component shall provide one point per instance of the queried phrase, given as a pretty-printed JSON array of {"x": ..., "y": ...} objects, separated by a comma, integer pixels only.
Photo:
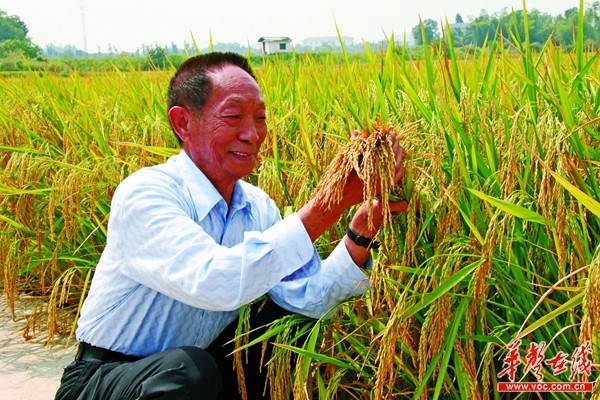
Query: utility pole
[{"x": 83, "y": 26}]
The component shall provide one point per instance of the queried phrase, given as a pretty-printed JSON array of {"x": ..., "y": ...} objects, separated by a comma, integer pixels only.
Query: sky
[{"x": 126, "y": 25}]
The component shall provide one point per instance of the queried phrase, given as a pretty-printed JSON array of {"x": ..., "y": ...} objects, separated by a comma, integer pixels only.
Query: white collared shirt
[{"x": 178, "y": 263}]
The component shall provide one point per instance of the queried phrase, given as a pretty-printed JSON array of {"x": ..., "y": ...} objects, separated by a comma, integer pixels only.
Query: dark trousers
[{"x": 178, "y": 374}]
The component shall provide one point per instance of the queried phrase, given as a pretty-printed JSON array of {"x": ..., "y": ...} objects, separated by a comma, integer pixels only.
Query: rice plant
[{"x": 503, "y": 157}]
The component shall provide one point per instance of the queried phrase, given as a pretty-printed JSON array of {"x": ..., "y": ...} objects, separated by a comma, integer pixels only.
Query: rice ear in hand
[{"x": 371, "y": 157}]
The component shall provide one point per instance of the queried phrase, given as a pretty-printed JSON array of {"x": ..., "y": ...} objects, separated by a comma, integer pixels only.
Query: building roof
[{"x": 274, "y": 39}]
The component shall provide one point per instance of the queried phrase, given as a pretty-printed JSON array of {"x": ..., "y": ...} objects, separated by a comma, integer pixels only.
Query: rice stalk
[{"x": 590, "y": 322}]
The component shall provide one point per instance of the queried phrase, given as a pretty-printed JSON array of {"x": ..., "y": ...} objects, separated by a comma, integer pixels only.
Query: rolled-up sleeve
[{"x": 320, "y": 286}]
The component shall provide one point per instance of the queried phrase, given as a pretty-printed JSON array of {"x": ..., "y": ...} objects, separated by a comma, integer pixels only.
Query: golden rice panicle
[
  {"x": 371, "y": 157},
  {"x": 590, "y": 323}
]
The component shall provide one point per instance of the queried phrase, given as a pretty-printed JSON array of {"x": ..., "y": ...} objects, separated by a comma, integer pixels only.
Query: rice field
[{"x": 503, "y": 158}]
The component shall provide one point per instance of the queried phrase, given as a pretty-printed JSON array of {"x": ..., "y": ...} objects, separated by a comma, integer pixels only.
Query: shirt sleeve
[
  {"x": 159, "y": 246},
  {"x": 323, "y": 285}
]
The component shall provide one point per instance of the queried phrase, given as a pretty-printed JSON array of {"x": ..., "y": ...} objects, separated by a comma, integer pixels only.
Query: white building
[
  {"x": 459, "y": 27},
  {"x": 326, "y": 42},
  {"x": 275, "y": 44}
]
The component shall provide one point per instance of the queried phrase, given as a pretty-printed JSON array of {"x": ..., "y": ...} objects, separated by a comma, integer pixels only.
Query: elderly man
[{"x": 189, "y": 242}]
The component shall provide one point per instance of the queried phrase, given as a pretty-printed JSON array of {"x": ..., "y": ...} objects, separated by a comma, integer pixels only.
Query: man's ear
[{"x": 180, "y": 118}]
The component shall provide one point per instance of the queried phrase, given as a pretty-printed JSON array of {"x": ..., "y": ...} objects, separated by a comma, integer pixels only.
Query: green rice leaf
[
  {"x": 510, "y": 208},
  {"x": 313, "y": 355},
  {"x": 443, "y": 288},
  {"x": 587, "y": 201},
  {"x": 546, "y": 319}
]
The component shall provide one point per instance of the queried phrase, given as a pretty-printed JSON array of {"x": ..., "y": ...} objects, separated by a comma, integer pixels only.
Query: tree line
[
  {"x": 542, "y": 27},
  {"x": 15, "y": 45}
]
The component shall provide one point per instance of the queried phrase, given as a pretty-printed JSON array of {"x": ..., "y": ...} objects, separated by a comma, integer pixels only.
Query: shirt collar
[
  {"x": 239, "y": 199},
  {"x": 204, "y": 195}
]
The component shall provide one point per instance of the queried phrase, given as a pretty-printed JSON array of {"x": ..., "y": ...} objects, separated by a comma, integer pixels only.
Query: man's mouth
[{"x": 240, "y": 154}]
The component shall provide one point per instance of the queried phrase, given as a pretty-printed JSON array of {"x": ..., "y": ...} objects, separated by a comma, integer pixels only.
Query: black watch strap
[{"x": 362, "y": 241}]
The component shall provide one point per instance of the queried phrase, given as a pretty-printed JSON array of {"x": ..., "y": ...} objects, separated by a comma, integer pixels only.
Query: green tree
[
  {"x": 18, "y": 47},
  {"x": 592, "y": 23},
  {"x": 481, "y": 28},
  {"x": 13, "y": 37},
  {"x": 565, "y": 26},
  {"x": 542, "y": 27},
  {"x": 431, "y": 31},
  {"x": 593, "y": 15},
  {"x": 158, "y": 56},
  {"x": 11, "y": 27}
]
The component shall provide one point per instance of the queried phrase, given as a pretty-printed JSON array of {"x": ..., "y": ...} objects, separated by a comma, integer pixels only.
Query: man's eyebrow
[
  {"x": 239, "y": 100},
  {"x": 234, "y": 99}
]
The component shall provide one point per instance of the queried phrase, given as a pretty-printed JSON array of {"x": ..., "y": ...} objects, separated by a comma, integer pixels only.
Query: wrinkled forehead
[
  {"x": 221, "y": 74},
  {"x": 234, "y": 81}
]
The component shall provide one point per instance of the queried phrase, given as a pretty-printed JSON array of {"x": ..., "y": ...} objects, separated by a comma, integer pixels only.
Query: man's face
[{"x": 226, "y": 135}]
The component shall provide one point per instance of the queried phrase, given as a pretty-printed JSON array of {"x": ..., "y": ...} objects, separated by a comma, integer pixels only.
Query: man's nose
[{"x": 249, "y": 131}]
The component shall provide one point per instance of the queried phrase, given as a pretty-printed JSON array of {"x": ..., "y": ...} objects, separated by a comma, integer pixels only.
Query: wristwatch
[{"x": 362, "y": 241}]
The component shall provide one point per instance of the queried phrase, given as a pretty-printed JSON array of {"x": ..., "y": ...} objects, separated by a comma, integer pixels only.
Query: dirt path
[{"x": 29, "y": 370}]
